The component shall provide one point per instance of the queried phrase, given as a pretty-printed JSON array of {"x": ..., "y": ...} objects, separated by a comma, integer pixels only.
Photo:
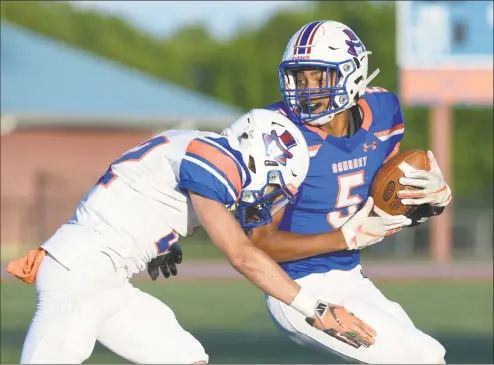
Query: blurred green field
[{"x": 460, "y": 315}]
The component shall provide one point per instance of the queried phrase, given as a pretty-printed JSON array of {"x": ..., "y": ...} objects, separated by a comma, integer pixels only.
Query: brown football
[{"x": 385, "y": 186}]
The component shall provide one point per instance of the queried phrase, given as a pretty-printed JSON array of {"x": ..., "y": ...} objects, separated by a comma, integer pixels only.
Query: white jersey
[{"x": 140, "y": 206}]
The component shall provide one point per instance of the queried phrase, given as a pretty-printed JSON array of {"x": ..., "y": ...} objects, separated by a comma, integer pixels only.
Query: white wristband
[{"x": 304, "y": 303}]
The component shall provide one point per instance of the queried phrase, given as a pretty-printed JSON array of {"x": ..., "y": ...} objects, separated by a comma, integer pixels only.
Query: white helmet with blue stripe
[
  {"x": 342, "y": 59},
  {"x": 276, "y": 155}
]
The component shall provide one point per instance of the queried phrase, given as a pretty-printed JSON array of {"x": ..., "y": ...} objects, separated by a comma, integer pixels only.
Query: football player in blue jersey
[{"x": 350, "y": 129}]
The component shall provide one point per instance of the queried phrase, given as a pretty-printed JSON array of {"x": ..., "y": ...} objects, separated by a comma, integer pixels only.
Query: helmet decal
[
  {"x": 355, "y": 47},
  {"x": 278, "y": 146}
]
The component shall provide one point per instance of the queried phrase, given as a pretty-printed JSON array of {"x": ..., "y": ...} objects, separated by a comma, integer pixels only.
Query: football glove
[
  {"x": 432, "y": 188},
  {"x": 337, "y": 322},
  {"x": 423, "y": 213},
  {"x": 166, "y": 262},
  {"x": 363, "y": 230}
]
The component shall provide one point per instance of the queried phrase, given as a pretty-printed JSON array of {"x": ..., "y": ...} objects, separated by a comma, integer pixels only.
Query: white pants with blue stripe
[{"x": 398, "y": 341}]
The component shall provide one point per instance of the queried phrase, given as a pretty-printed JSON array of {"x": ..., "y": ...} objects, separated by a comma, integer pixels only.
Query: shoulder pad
[{"x": 384, "y": 107}]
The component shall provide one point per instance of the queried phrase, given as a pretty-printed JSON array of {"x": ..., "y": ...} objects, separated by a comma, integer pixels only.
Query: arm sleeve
[
  {"x": 208, "y": 171},
  {"x": 393, "y": 130}
]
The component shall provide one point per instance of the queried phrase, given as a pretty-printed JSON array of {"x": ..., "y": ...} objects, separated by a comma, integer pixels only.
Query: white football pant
[
  {"x": 398, "y": 341},
  {"x": 95, "y": 301}
]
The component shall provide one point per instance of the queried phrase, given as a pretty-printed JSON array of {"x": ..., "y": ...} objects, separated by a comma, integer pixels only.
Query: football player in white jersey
[{"x": 154, "y": 193}]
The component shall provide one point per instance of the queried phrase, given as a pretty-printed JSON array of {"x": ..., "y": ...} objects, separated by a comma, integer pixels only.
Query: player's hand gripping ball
[{"x": 386, "y": 183}]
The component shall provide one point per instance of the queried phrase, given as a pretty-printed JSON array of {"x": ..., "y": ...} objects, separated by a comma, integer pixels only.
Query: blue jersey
[{"x": 340, "y": 173}]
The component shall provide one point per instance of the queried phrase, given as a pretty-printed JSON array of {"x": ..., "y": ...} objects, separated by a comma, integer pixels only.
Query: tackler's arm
[{"x": 255, "y": 265}]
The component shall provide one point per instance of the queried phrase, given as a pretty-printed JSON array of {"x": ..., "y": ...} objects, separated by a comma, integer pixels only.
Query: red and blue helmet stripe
[{"x": 305, "y": 38}]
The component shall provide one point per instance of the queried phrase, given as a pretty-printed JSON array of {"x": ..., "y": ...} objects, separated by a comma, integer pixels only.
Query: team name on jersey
[{"x": 348, "y": 165}]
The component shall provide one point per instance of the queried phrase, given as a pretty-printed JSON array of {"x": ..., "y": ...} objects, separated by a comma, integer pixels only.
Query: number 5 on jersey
[
  {"x": 344, "y": 199},
  {"x": 135, "y": 154}
]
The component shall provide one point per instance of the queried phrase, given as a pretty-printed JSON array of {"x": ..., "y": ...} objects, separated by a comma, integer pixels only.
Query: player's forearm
[
  {"x": 263, "y": 272},
  {"x": 288, "y": 246},
  {"x": 254, "y": 264}
]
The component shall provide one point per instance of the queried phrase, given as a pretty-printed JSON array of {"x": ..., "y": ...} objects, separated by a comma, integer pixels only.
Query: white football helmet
[
  {"x": 275, "y": 153},
  {"x": 334, "y": 48}
]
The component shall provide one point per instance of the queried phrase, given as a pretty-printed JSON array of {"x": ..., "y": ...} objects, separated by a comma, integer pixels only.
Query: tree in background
[{"x": 243, "y": 70}]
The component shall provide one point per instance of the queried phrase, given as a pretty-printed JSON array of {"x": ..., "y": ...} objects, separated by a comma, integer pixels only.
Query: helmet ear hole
[{"x": 252, "y": 164}]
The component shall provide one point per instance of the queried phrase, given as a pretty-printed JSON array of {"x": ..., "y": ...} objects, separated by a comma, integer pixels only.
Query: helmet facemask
[
  {"x": 276, "y": 159},
  {"x": 350, "y": 81},
  {"x": 303, "y": 101},
  {"x": 257, "y": 207},
  {"x": 267, "y": 193}
]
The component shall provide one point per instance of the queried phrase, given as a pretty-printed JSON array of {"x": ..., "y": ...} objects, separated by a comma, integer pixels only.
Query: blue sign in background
[
  {"x": 437, "y": 34},
  {"x": 474, "y": 16}
]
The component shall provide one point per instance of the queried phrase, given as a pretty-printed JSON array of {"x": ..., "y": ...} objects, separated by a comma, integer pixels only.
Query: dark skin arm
[{"x": 288, "y": 246}]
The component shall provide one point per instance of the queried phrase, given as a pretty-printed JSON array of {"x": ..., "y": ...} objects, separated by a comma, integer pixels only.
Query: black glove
[
  {"x": 167, "y": 262},
  {"x": 424, "y": 212}
]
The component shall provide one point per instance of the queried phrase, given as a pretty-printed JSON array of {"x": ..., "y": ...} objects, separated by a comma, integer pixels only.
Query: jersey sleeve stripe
[
  {"x": 214, "y": 173},
  {"x": 387, "y": 134},
  {"x": 221, "y": 161},
  {"x": 223, "y": 149}
]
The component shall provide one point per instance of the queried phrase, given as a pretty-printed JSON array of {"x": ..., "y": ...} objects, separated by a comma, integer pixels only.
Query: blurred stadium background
[{"x": 79, "y": 86}]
